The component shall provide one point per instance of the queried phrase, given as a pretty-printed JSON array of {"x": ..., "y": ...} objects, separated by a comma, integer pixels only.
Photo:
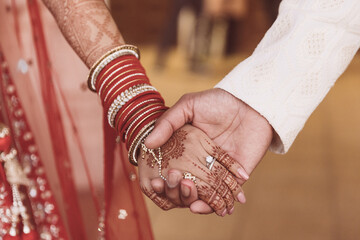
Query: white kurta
[{"x": 301, "y": 56}]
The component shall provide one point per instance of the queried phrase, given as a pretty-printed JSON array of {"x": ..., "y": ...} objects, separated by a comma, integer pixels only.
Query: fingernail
[
  {"x": 173, "y": 180},
  {"x": 243, "y": 174},
  {"x": 231, "y": 211},
  {"x": 224, "y": 213},
  {"x": 185, "y": 191},
  {"x": 157, "y": 189},
  {"x": 241, "y": 197}
]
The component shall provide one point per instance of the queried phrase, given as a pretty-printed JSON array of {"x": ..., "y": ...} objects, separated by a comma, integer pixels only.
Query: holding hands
[
  {"x": 228, "y": 122},
  {"x": 192, "y": 155},
  {"x": 223, "y": 127}
]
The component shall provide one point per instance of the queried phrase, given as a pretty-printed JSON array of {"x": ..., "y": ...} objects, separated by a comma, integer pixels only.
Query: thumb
[{"x": 173, "y": 119}]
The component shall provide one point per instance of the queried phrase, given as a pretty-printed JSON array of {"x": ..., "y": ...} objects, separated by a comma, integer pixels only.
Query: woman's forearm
[{"x": 87, "y": 25}]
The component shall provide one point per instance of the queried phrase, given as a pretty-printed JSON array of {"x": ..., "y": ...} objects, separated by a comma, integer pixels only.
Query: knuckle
[{"x": 186, "y": 97}]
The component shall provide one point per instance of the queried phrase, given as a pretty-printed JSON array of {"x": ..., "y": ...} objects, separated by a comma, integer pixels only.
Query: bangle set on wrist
[
  {"x": 131, "y": 103},
  {"x": 108, "y": 57}
]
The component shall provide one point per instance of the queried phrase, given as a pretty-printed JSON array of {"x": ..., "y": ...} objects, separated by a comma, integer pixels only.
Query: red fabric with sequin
[{"x": 41, "y": 88}]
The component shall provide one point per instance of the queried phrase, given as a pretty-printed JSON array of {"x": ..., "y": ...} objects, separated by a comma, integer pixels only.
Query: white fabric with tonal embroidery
[{"x": 300, "y": 58}]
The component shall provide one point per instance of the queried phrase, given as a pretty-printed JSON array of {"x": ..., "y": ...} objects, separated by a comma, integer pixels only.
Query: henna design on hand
[
  {"x": 160, "y": 201},
  {"x": 210, "y": 196},
  {"x": 220, "y": 179},
  {"x": 87, "y": 25},
  {"x": 220, "y": 173},
  {"x": 223, "y": 157},
  {"x": 218, "y": 187},
  {"x": 229, "y": 200},
  {"x": 232, "y": 184},
  {"x": 149, "y": 158},
  {"x": 150, "y": 161},
  {"x": 174, "y": 148}
]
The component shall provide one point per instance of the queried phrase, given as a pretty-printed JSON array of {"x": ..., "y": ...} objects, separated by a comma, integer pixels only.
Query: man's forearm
[
  {"x": 87, "y": 25},
  {"x": 295, "y": 65}
]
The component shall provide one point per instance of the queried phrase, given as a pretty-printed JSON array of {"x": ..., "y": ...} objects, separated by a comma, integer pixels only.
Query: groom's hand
[{"x": 228, "y": 121}]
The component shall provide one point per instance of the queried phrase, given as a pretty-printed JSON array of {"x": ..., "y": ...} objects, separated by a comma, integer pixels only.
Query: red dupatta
[{"x": 127, "y": 195}]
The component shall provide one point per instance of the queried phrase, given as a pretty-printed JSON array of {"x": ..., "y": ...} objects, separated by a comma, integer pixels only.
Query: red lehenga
[{"x": 56, "y": 127}]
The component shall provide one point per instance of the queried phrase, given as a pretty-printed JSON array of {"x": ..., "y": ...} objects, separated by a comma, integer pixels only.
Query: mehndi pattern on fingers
[
  {"x": 221, "y": 174},
  {"x": 229, "y": 200},
  {"x": 223, "y": 157},
  {"x": 221, "y": 187},
  {"x": 231, "y": 182},
  {"x": 221, "y": 180},
  {"x": 211, "y": 197},
  {"x": 160, "y": 201}
]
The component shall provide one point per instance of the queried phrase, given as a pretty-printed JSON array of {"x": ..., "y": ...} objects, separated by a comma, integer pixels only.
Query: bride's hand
[{"x": 186, "y": 152}]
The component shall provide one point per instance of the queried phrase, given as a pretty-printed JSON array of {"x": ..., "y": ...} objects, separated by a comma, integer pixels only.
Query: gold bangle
[
  {"x": 144, "y": 132},
  {"x": 106, "y": 59}
]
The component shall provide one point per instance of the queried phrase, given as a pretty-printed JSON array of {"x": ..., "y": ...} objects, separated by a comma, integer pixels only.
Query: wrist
[{"x": 131, "y": 104}]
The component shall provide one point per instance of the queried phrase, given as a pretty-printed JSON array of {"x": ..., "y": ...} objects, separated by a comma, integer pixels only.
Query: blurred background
[{"x": 311, "y": 192}]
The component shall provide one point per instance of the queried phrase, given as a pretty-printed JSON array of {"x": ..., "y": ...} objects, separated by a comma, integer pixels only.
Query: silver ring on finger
[{"x": 210, "y": 160}]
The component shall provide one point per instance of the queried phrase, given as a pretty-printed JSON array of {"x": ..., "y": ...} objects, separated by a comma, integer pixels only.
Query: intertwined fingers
[
  {"x": 226, "y": 160},
  {"x": 220, "y": 180},
  {"x": 211, "y": 197},
  {"x": 160, "y": 200},
  {"x": 220, "y": 173},
  {"x": 172, "y": 187}
]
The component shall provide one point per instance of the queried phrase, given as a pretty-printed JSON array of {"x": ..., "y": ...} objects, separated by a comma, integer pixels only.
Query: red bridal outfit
[{"x": 75, "y": 180}]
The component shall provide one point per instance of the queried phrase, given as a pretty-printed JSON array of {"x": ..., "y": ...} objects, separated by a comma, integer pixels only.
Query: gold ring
[{"x": 189, "y": 176}]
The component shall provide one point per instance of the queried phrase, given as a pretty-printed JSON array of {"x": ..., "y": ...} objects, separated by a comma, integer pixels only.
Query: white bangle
[
  {"x": 123, "y": 98},
  {"x": 138, "y": 140}
]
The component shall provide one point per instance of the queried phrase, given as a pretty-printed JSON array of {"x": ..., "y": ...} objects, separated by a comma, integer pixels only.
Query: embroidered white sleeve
[{"x": 301, "y": 56}]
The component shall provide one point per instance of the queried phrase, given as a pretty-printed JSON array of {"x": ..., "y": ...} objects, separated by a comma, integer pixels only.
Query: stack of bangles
[{"x": 131, "y": 103}]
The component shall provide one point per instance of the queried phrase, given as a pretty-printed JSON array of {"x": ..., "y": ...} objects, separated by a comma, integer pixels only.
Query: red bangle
[
  {"x": 142, "y": 119},
  {"x": 113, "y": 66},
  {"x": 118, "y": 79},
  {"x": 120, "y": 75},
  {"x": 135, "y": 117},
  {"x": 150, "y": 118},
  {"x": 135, "y": 114},
  {"x": 134, "y": 107}
]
